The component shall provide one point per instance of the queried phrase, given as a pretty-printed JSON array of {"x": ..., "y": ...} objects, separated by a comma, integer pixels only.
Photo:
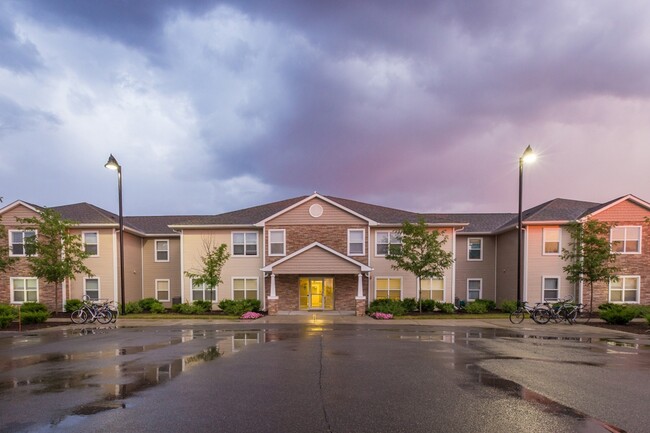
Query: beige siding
[
  {"x": 483, "y": 269},
  {"x": 8, "y": 219},
  {"x": 132, "y": 267},
  {"x": 300, "y": 215},
  {"x": 152, "y": 270},
  {"x": 316, "y": 261},
  {"x": 101, "y": 266},
  {"x": 235, "y": 267},
  {"x": 624, "y": 211},
  {"x": 539, "y": 265},
  {"x": 506, "y": 267}
]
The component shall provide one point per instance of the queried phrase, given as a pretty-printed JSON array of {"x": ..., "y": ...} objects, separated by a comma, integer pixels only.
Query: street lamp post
[
  {"x": 527, "y": 157},
  {"x": 114, "y": 165}
]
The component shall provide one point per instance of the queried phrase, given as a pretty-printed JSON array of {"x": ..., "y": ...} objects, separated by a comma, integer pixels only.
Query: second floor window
[
  {"x": 276, "y": 243},
  {"x": 384, "y": 241},
  {"x": 626, "y": 240},
  {"x": 20, "y": 242},
  {"x": 356, "y": 242},
  {"x": 91, "y": 243},
  {"x": 475, "y": 249},
  {"x": 244, "y": 244},
  {"x": 162, "y": 251},
  {"x": 551, "y": 241}
]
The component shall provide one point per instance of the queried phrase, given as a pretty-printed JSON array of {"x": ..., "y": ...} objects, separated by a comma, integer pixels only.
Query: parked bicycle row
[
  {"x": 556, "y": 310},
  {"x": 103, "y": 311}
]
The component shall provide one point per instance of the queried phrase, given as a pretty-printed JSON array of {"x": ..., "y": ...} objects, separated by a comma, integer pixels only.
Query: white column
[
  {"x": 360, "y": 287},
  {"x": 273, "y": 295}
]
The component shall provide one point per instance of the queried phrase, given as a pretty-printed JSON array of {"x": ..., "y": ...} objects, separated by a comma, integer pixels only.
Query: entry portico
[{"x": 317, "y": 277}]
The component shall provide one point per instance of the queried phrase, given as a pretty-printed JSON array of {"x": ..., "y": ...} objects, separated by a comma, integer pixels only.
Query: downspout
[
  {"x": 115, "y": 264},
  {"x": 525, "y": 264},
  {"x": 496, "y": 266},
  {"x": 182, "y": 267},
  {"x": 264, "y": 261},
  {"x": 453, "y": 266},
  {"x": 142, "y": 268}
]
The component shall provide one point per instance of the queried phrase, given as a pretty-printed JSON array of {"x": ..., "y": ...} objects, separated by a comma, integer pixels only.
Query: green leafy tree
[
  {"x": 421, "y": 253},
  {"x": 6, "y": 262},
  {"x": 590, "y": 257},
  {"x": 212, "y": 262},
  {"x": 55, "y": 254}
]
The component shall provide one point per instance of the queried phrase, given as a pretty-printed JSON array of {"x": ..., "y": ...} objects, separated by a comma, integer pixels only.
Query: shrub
[
  {"x": 618, "y": 314},
  {"x": 133, "y": 308},
  {"x": 33, "y": 312},
  {"x": 428, "y": 305},
  {"x": 251, "y": 315},
  {"x": 72, "y": 305},
  {"x": 29, "y": 307},
  {"x": 410, "y": 304},
  {"x": 240, "y": 306},
  {"x": 647, "y": 317},
  {"x": 508, "y": 306},
  {"x": 186, "y": 309},
  {"x": 476, "y": 307},
  {"x": 204, "y": 306},
  {"x": 447, "y": 307},
  {"x": 389, "y": 306},
  {"x": 606, "y": 306},
  {"x": 157, "y": 308},
  {"x": 381, "y": 316},
  {"x": 7, "y": 315},
  {"x": 489, "y": 304}
]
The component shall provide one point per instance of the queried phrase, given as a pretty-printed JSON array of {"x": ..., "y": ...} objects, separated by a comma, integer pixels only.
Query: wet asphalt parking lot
[{"x": 322, "y": 376}]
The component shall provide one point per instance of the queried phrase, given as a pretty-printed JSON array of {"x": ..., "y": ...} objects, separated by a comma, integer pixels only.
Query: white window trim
[
  {"x": 232, "y": 285},
  {"x": 638, "y": 290},
  {"x": 169, "y": 289},
  {"x": 11, "y": 244},
  {"x": 155, "y": 250},
  {"x": 363, "y": 242},
  {"x": 390, "y": 233},
  {"x": 480, "y": 259},
  {"x": 232, "y": 244},
  {"x": 480, "y": 289},
  {"x": 99, "y": 286},
  {"x": 401, "y": 285},
  {"x": 559, "y": 285},
  {"x": 284, "y": 242},
  {"x": 83, "y": 240},
  {"x": 215, "y": 290},
  {"x": 11, "y": 289},
  {"x": 625, "y": 240},
  {"x": 444, "y": 286},
  {"x": 559, "y": 241}
]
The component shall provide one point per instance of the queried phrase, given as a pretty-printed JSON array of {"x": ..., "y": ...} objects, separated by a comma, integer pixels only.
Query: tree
[
  {"x": 212, "y": 263},
  {"x": 420, "y": 253},
  {"x": 54, "y": 254},
  {"x": 6, "y": 262},
  {"x": 590, "y": 257}
]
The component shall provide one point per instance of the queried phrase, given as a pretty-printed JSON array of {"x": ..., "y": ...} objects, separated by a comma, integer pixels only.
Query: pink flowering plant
[
  {"x": 251, "y": 315},
  {"x": 381, "y": 316}
]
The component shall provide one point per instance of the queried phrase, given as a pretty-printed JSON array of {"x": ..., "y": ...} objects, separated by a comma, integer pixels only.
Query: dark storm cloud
[
  {"x": 17, "y": 54},
  {"x": 16, "y": 118}
]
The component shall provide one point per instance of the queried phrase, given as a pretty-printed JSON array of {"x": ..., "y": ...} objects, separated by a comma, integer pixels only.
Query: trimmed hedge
[
  {"x": 7, "y": 315},
  {"x": 617, "y": 314},
  {"x": 33, "y": 312},
  {"x": 238, "y": 307}
]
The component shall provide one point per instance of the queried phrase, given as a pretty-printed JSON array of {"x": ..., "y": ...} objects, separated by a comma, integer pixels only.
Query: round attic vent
[{"x": 315, "y": 210}]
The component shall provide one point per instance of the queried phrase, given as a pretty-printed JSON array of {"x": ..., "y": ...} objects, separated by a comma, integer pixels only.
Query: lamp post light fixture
[
  {"x": 114, "y": 165},
  {"x": 527, "y": 157}
]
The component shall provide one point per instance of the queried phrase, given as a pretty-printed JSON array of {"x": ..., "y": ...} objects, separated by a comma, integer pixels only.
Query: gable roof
[
  {"x": 362, "y": 267},
  {"x": 602, "y": 207}
]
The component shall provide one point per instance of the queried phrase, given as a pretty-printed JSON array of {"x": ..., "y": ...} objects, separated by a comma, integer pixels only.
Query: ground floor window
[
  {"x": 388, "y": 288},
  {"x": 202, "y": 293},
  {"x": 551, "y": 287},
  {"x": 162, "y": 290},
  {"x": 244, "y": 288},
  {"x": 626, "y": 289},
  {"x": 91, "y": 288},
  {"x": 474, "y": 286},
  {"x": 24, "y": 290},
  {"x": 432, "y": 288}
]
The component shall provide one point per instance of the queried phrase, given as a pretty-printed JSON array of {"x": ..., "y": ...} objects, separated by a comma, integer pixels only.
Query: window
[
  {"x": 276, "y": 242},
  {"x": 19, "y": 246},
  {"x": 356, "y": 242},
  {"x": 626, "y": 289},
  {"x": 388, "y": 288},
  {"x": 244, "y": 288},
  {"x": 24, "y": 290},
  {"x": 91, "y": 288},
  {"x": 162, "y": 251},
  {"x": 475, "y": 249},
  {"x": 384, "y": 240},
  {"x": 474, "y": 287},
  {"x": 432, "y": 288},
  {"x": 201, "y": 293},
  {"x": 551, "y": 288},
  {"x": 244, "y": 244},
  {"x": 162, "y": 290},
  {"x": 551, "y": 241},
  {"x": 626, "y": 240},
  {"x": 91, "y": 243}
]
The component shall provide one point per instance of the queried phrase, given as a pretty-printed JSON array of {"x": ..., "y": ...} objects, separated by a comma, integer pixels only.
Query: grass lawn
[
  {"x": 453, "y": 316},
  {"x": 175, "y": 316}
]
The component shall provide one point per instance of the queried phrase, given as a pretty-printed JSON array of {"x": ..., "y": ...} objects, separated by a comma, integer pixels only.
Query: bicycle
[
  {"x": 577, "y": 313},
  {"x": 91, "y": 311},
  {"x": 519, "y": 314}
]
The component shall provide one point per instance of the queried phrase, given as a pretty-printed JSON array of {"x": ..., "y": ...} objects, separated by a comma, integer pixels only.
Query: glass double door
[{"x": 316, "y": 293}]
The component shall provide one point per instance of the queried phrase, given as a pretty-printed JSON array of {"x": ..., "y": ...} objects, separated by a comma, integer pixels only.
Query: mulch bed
[{"x": 633, "y": 327}]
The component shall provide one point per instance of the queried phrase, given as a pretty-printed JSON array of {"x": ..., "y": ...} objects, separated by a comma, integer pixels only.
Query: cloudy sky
[{"x": 214, "y": 105}]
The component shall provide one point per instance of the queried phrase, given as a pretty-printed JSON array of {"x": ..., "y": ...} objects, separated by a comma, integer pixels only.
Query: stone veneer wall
[{"x": 345, "y": 291}]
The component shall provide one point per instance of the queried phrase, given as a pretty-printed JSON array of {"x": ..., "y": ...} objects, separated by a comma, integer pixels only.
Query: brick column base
[
  {"x": 360, "y": 306},
  {"x": 272, "y": 305}
]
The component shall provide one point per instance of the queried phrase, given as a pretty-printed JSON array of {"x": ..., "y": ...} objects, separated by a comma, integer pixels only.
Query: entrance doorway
[{"x": 316, "y": 293}]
